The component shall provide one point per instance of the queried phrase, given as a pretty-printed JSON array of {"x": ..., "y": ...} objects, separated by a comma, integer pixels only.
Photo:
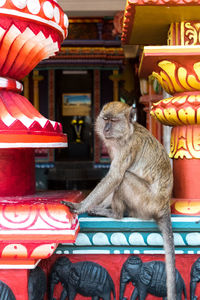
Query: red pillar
[{"x": 17, "y": 172}]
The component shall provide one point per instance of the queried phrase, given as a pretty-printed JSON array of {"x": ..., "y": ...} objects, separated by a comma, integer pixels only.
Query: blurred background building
[{"x": 91, "y": 69}]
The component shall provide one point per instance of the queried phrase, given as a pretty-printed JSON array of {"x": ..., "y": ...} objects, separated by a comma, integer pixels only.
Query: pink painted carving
[
  {"x": 21, "y": 125},
  {"x": 29, "y": 32}
]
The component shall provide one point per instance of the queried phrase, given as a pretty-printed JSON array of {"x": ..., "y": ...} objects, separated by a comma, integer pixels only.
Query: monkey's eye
[
  {"x": 114, "y": 120},
  {"x": 105, "y": 119}
]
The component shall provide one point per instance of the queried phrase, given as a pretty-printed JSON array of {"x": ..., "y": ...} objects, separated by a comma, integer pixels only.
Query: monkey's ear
[{"x": 133, "y": 114}]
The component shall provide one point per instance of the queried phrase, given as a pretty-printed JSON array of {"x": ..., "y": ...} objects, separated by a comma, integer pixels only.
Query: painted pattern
[
  {"x": 100, "y": 235},
  {"x": 23, "y": 46},
  {"x": 40, "y": 11},
  {"x": 21, "y": 125},
  {"x": 35, "y": 33},
  {"x": 175, "y": 78},
  {"x": 32, "y": 226}
]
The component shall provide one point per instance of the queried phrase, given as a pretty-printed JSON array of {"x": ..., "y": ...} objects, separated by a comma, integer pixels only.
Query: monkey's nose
[{"x": 107, "y": 127}]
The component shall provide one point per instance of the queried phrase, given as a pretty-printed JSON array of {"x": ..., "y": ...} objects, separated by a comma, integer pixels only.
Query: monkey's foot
[
  {"x": 72, "y": 206},
  {"x": 103, "y": 212}
]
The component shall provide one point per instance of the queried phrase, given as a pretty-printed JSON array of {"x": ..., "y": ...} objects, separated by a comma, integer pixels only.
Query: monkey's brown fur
[{"x": 139, "y": 181}]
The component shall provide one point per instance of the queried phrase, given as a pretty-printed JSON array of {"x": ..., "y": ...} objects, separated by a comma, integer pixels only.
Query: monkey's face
[{"x": 113, "y": 121}]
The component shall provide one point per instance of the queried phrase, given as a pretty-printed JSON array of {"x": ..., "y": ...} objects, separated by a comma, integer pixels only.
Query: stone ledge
[{"x": 99, "y": 235}]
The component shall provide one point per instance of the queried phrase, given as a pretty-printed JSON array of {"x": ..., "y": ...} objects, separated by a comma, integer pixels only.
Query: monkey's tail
[{"x": 165, "y": 226}]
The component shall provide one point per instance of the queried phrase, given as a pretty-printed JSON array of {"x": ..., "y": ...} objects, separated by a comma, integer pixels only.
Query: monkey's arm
[
  {"x": 105, "y": 187},
  {"x": 101, "y": 191}
]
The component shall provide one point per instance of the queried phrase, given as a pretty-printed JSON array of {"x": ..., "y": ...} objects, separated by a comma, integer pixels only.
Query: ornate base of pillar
[{"x": 31, "y": 227}]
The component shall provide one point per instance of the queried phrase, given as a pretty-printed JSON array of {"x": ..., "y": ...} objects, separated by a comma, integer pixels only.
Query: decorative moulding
[
  {"x": 43, "y": 12},
  {"x": 100, "y": 235},
  {"x": 142, "y": 22},
  {"x": 31, "y": 227}
]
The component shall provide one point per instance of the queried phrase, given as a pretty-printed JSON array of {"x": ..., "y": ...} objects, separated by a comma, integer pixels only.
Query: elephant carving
[
  {"x": 36, "y": 284},
  {"x": 194, "y": 278},
  {"x": 86, "y": 278},
  {"x": 6, "y": 292},
  {"x": 148, "y": 278}
]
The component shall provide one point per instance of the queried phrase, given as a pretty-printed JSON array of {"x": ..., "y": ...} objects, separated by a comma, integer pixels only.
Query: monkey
[{"x": 139, "y": 181}]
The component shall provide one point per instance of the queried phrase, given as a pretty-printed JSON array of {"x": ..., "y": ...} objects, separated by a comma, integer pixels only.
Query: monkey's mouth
[{"x": 108, "y": 137}]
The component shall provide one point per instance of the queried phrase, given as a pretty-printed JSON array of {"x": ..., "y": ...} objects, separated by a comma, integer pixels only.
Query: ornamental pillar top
[
  {"x": 146, "y": 22},
  {"x": 30, "y": 31},
  {"x": 41, "y": 12}
]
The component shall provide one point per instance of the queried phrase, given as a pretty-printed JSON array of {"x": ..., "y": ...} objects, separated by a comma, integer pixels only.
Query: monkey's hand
[{"x": 72, "y": 206}]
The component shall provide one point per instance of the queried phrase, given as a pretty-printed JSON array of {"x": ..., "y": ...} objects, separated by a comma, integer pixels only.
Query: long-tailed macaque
[{"x": 139, "y": 181}]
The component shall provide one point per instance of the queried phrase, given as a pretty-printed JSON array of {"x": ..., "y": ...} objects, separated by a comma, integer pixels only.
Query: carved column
[
  {"x": 149, "y": 96},
  {"x": 97, "y": 145},
  {"x": 115, "y": 78},
  {"x": 51, "y": 104},
  {"x": 180, "y": 77},
  {"x": 26, "y": 86},
  {"x": 36, "y": 79}
]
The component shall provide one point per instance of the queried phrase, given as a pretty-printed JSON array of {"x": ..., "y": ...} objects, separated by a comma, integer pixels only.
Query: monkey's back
[
  {"x": 151, "y": 163},
  {"x": 148, "y": 181}
]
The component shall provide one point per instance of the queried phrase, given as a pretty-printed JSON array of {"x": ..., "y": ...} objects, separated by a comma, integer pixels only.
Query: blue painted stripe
[{"x": 183, "y": 223}]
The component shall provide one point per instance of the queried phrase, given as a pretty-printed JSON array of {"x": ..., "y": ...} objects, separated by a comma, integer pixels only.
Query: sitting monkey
[{"x": 139, "y": 180}]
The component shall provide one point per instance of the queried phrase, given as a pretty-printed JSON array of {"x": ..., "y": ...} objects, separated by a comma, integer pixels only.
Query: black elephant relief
[
  {"x": 148, "y": 278},
  {"x": 86, "y": 278},
  {"x": 37, "y": 284},
  {"x": 194, "y": 278},
  {"x": 6, "y": 292}
]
